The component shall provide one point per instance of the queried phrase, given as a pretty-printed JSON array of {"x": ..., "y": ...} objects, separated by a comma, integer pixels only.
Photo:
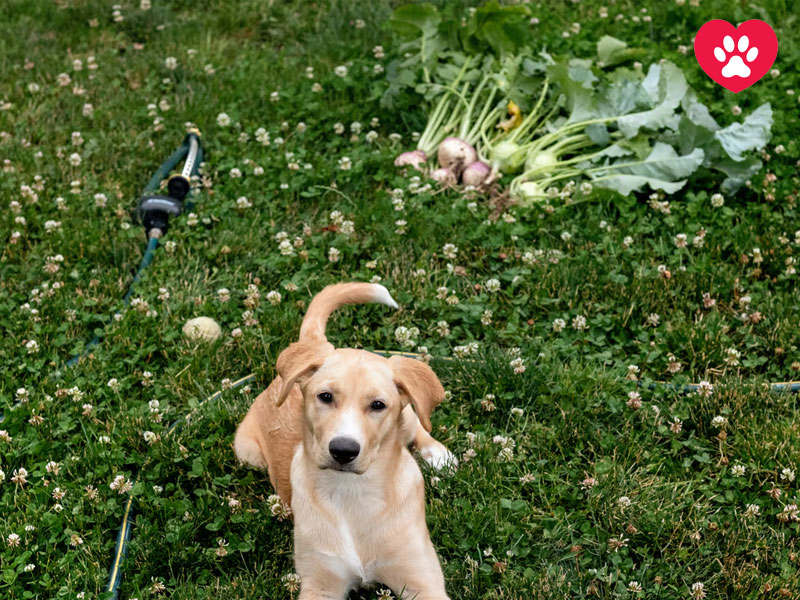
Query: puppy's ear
[
  {"x": 298, "y": 362},
  {"x": 419, "y": 384}
]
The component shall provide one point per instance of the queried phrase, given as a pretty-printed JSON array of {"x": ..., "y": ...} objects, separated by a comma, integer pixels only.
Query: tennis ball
[{"x": 202, "y": 329}]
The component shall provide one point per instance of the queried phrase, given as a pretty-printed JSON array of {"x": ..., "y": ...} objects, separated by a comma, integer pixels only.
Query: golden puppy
[{"x": 333, "y": 430}]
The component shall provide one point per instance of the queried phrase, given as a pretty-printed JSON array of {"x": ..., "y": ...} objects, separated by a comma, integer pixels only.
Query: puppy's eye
[
  {"x": 377, "y": 405},
  {"x": 325, "y": 397}
]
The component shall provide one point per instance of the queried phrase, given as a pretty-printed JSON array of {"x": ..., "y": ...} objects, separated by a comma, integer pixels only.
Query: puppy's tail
[{"x": 334, "y": 296}]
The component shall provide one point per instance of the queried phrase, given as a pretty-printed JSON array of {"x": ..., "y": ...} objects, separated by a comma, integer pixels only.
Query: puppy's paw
[
  {"x": 247, "y": 451},
  {"x": 439, "y": 457}
]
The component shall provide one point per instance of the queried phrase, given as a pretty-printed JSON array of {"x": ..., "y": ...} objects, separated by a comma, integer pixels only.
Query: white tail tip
[{"x": 383, "y": 296}]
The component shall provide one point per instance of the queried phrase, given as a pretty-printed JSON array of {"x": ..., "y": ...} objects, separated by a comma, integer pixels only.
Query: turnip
[
  {"x": 475, "y": 173},
  {"x": 506, "y": 157},
  {"x": 444, "y": 176},
  {"x": 415, "y": 158},
  {"x": 541, "y": 161},
  {"x": 529, "y": 192},
  {"x": 455, "y": 154}
]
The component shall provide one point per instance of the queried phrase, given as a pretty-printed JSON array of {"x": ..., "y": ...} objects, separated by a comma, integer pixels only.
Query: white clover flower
[
  {"x": 223, "y": 120},
  {"x": 518, "y": 364},
  {"x": 334, "y": 254},
  {"x": 443, "y": 328},
  {"x": 698, "y": 591},
  {"x": 341, "y": 71},
  {"x": 559, "y": 325},
  {"x": 719, "y": 422},
  {"x": 274, "y": 297},
  {"x": 286, "y": 248},
  {"x": 717, "y": 200},
  {"x": 738, "y": 470},
  {"x": 492, "y": 286},
  {"x": 753, "y": 510},
  {"x": 121, "y": 485},
  {"x": 634, "y": 400},
  {"x": 345, "y": 164},
  {"x": 171, "y": 63},
  {"x": 705, "y": 389},
  {"x": 579, "y": 323}
]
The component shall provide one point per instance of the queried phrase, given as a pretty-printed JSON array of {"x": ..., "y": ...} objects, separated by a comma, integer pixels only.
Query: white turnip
[
  {"x": 444, "y": 176},
  {"x": 541, "y": 161},
  {"x": 455, "y": 154},
  {"x": 529, "y": 192},
  {"x": 475, "y": 173},
  {"x": 415, "y": 158}
]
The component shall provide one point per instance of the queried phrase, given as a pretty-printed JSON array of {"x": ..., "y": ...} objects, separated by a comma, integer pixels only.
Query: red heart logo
[{"x": 736, "y": 57}]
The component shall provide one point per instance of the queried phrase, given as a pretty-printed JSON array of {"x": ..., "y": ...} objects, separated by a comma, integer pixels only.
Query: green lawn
[{"x": 566, "y": 489}]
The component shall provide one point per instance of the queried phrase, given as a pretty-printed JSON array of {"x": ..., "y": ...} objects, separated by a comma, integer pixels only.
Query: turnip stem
[
  {"x": 474, "y": 134},
  {"x": 431, "y": 132},
  {"x": 531, "y": 118}
]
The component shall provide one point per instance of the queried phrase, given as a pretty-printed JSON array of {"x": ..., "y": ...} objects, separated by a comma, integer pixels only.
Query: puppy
[{"x": 333, "y": 431}]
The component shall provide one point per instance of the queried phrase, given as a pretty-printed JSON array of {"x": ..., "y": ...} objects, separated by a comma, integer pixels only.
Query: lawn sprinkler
[{"x": 154, "y": 210}]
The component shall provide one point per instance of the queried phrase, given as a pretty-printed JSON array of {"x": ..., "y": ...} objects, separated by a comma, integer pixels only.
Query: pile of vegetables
[{"x": 537, "y": 122}]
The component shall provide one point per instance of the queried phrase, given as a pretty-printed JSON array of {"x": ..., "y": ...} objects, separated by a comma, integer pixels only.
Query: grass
[{"x": 593, "y": 494}]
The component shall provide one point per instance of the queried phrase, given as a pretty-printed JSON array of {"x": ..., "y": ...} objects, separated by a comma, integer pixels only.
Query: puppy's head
[{"x": 353, "y": 400}]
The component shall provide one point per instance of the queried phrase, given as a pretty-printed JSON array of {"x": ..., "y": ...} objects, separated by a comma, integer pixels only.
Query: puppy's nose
[{"x": 344, "y": 450}]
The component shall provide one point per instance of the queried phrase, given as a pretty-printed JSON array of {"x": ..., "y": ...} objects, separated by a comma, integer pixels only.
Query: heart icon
[{"x": 736, "y": 57}]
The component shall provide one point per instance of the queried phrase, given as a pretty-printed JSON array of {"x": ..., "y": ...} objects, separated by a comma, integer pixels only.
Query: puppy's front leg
[
  {"x": 432, "y": 451},
  {"x": 322, "y": 586},
  {"x": 416, "y": 585},
  {"x": 411, "y": 568}
]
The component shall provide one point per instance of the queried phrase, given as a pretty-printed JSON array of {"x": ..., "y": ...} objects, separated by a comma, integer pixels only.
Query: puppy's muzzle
[{"x": 344, "y": 450}]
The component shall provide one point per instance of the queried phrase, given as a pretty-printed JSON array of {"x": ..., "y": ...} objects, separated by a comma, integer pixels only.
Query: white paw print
[{"x": 736, "y": 66}]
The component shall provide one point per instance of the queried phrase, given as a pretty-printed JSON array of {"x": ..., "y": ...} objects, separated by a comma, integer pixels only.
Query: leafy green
[
  {"x": 611, "y": 51},
  {"x": 664, "y": 169},
  {"x": 725, "y": 148},
  {"x": 430, "y": 38}
]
